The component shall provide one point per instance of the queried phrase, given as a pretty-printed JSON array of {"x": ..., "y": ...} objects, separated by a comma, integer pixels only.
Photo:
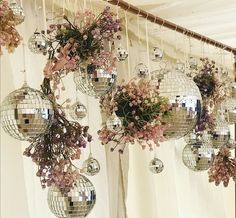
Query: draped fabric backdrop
[{"x": 125, "y": 187}]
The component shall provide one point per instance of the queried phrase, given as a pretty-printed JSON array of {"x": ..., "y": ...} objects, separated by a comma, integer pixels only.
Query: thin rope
[
  {"x": 127, "y": 42},
  {"x": 45, "y": 18},
  {"x": 85, "y": 4},
  {"x": 147, "y": 45},
  {"x": 21, "y": 3},
  {"x": 24, "y": 64},
  {"x": 63, "y": 7}
]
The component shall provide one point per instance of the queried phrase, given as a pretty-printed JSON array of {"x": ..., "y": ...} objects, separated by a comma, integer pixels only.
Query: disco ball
[
  {"x": 18, "y": 12},
  {"x": 114, "y": 123},
  {"x": 185, "y": 100},
  {"x": 179, "y": 66},
  {"x": 121, "y": 53},
  {"x": 94, "y": 81},
  {"x": 198, "y": 155},
  {"x": 221, "y": 133},
  {"x": 75, "y": 204},
  {"x": 141, "y": 70},
  {"x": 91, "y": 166},
  {"x": 37, "y": 43},
  {"x": 157, "y": 54},
  {"x": 78, "y": 111},
  {"x": 156, "y": 166},
  {"x": 192, "y": 62},
  {"x": 26, "y": 113}
]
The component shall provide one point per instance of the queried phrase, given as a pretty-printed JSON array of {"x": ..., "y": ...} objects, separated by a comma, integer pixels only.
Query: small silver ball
[
  {"x": 78, "y": 111},
  {"x": 121, "y": 53},
  {"x": 141, "y": 70},
  {"x": 156, "y": 166},
  {"x": 179, "y": 66},
  {"x": 157, "y": 54},
  {"x": 91, "y": 166},
  {"x": 114, "y": 123},
  {"x": 19, "y": 14},
  {"x": 37, "y": 43},
  {"x": 192, "y": 62}
]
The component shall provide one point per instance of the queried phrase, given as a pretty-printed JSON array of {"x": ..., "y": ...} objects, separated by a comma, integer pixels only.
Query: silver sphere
[
  {"x": 75, "y": 204},
  {"x": 198, "y": 155},
  {"x": 37, "y": 43},
  {"x": 192, "y": 62},
  {"x": 221, "y": 133},
  {"x": 179, "y": 66},
  {"x": 18, "y": 12},
  {"x": 141, "y": 70},
  {"x": 91, "y": 166},
  {"x": 78, "y": 111},
  {"x": 157, "y": 54},
  {"x": 94, "y": 81},
  {"x": 26, "y": 113},
  {"x": 156, "y": 165},
  {"x": 121, "y": 53},
  {"x": 185, "y": 100},
  {"x": 114, "y": 123}
]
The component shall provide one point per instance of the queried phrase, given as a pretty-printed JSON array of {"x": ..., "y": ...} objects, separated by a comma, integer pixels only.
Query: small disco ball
[
  {"x": 26, "y": 113},
  {"x": 114, "y": 123},
  {"x": 121, "y": 53},
  {"x": 18, "y": 12},
  {"x": 91, "y": 166},
  {"x": 78, "y": 111},
  {"x": 221, "y": 133},
  {"x": 156, "y": 165},
  {"x": 94, "y": 81},
  {"x": 229, "y": 107},
  {"x": 192, "y": 62},
  {"x": 157, "y": 54},
  {"x": 37, "y": 43},
  {"x": 179, "y": 66},
  {"x": 141, "y": 70},
  {"x": 74, "y": 204},
  {"x": 185, "y": 101},
  {"x": 198, "y": 155}
]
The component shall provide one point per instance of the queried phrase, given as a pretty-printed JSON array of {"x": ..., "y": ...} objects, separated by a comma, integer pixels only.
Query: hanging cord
[
  {"x": 90, "y": 147},
  {"x": 148, "y": 54},
  {"x": 185, "y": 52},
  {"x": 85, "y": 4},
  {"x": 63, "y": 7},
  {"x": 127, "y": 43},
  {"x": 24, "y": 65},
  {"x": 21, "y": 3},
  {"x": 45, "y": 18}
]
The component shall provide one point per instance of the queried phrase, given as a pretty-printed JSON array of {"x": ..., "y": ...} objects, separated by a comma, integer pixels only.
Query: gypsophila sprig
[
  {"x": 82, "y": 40},
  {"x": 54, "y": 151},
  {"x": 9, "y": 36},
  {"x": 141, "y": 110},
  {"x": 223, "y": 167}
]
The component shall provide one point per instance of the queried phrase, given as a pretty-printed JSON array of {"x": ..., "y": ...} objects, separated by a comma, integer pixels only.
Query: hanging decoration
[
  {"x": 141, "y": 70},
  {"x": 197, "y": 154},
  {"x": 18, "y": 12},
  {"x": 157, "y": 54},
  {"x": 156, "y": 165},
  {"x": 185, "y": 99},
  {"x": 9, "y": 37},
  {"x": 26, "y": 113},
  {"x": 223, "y": 168},
  {"x": 91, "y": 166},
  {"x": 121, "y": 53},
  {"x": 76, "y": 203},
  {"x": 37, "y": 43},
  {"x": 192, "y": 63},
  {"x": 141, "y": 110},
  {"x": 114, "y": 123},
  {"x": 54, "y": 151},
  {"x": 84, "y": 42},
  {"x": 78, "y": 111}
]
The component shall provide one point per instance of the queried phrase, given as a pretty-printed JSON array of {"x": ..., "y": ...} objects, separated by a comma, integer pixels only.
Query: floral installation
[
  {"x": 213, "y": 91},
  {"x": 54, "y": 151},
  {"x": 141, "y": 110},
  {"x": 9, "y": 36},
  {"x": 81, "y": 41},
  {"x": 223, "y": 168}
]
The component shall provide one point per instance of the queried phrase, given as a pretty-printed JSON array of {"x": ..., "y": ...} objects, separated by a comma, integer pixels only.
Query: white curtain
[{"x": 125, "y": 187}]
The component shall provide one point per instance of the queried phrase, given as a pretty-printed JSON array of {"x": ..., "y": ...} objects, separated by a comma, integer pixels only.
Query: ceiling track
[{"x": 165, "y": 23}]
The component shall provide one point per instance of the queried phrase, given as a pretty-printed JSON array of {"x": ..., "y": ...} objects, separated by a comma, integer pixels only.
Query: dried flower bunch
[
  {"x": 9, "y": 36},
  {"x": 223, "y": 168},
  {"x": 141, "y": 110},
  {"x": 82, "y": 40},
  {"x": 54, "y": 151}
]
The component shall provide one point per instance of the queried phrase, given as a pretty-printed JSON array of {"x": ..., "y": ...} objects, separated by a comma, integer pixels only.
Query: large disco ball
[
  {"x": 94, "y": 81},
  {"x": 18, "y": 12},
  {"x": 221, "y": 133},
  {"x": 185, "y": 100},
  {"x": 198, "y": 155},
  {"x": 26, "y": 113},
  {"x": 75, "y": 204}
]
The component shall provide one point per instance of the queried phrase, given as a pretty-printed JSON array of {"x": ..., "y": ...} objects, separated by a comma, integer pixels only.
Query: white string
[
  {"x": 127, "y": 42},
  {"x": 24, "y": 64},
  {"x": 21, "y": 3},
  {"x": 85, "y": 4},
  {"x": 90, "y": 147},
  {"x": 45, "y": 18},
  {"x": 139, "y": 41},
  {"x": 75, "y": 6},
  {"x": 147, "y": 45},
  {"x": 53, "y": 9},
  {"x": 63, "y": 7}
]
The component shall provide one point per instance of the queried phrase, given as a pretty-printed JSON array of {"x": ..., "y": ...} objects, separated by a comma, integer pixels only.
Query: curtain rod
[{"x": 158, "y": 20}]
